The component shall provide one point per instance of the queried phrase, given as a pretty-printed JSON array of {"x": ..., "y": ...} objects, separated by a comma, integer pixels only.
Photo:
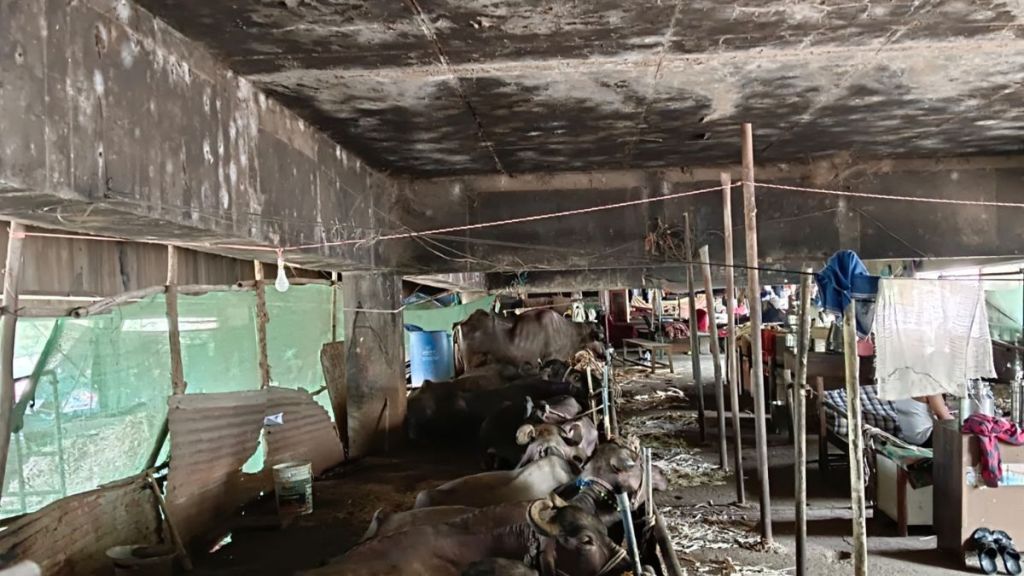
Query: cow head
[
  {"x": 619, "y": 468},
  {"x": 574, "y": 541},
  {"x": 544, "y": 440},
  {"x": 430, "y": 405}
]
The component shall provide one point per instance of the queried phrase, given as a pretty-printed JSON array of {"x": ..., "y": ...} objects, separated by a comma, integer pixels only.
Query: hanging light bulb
[{"x": 281, "y": 283}]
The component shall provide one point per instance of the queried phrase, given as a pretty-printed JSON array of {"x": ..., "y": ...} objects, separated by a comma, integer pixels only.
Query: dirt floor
[{"x": 712, "y": 533}]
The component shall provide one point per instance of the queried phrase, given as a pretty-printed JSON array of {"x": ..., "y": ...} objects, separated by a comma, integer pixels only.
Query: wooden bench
[{"x": 651, "y": 346}]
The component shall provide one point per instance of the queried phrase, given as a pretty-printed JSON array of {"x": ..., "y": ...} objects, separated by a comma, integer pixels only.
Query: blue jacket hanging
[{"x": 844, "y": 278}]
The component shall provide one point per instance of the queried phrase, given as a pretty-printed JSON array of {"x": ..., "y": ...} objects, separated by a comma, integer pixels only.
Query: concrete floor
[{"x": 346, "y": 499}]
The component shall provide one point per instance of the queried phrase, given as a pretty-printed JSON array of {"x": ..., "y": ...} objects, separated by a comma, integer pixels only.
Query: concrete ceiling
[{"x": 447, "y": 87}]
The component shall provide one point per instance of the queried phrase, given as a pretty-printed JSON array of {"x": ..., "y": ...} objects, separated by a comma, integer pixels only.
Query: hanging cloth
[
  {"x": 844, "y": 278},
  {"x": 931, "y": 337},
  {"x": 990, "y": 432}
]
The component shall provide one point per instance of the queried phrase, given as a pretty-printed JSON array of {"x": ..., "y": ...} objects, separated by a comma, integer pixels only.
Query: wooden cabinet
[{"x": 960, "y": 508}]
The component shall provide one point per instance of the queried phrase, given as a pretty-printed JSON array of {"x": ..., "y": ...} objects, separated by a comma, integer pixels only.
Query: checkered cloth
[{"x": 876, "y": 412}]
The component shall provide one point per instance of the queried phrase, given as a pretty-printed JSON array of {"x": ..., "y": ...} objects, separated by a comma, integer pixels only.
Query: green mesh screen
[
  {"x": 429, "y": 317},
  {"x": 103, "y": 381}
]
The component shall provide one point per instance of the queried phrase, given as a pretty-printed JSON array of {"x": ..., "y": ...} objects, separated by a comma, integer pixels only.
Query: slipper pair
[{"x": 993, "y": 544}]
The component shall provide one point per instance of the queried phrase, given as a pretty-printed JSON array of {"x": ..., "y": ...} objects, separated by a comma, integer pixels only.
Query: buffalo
[
  {"x": 536, "y": 480},
  {"x": 535, "y": 336}
]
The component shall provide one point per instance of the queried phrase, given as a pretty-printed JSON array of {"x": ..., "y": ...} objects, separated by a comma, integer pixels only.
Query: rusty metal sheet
[
  {"x": 70, "y": 537},
  {"x": 332, "y": 360},
  {"x": 307, "y": 432},
  {"x": 212, "y": 436}
]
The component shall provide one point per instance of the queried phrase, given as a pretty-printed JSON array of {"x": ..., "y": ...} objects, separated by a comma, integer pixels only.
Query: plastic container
[
  {"x": 142, "y": 560},
  {"x": 293, "y": 487},
  {"x": 431, "y": 356}
]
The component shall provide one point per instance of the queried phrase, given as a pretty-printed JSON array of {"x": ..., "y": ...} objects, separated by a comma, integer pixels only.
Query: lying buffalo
[
  {"x": 498, "y": 567},
  {"x": 533, "y": 336},
  {"x": 383, "y": 524},
  {"x": 499, "y": 448},
  {"x": 550, "y": 535},
  {"x": 574, "y": 441},
  {"x": 452, "y": 412},
  {"x": 613, "y": 468},
  {"x": 536, "y": 480}
]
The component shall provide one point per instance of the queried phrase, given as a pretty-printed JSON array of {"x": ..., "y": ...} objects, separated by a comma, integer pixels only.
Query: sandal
[
  {"x": 1011, "y": 557},
  {"x": 988, "y": 554}
]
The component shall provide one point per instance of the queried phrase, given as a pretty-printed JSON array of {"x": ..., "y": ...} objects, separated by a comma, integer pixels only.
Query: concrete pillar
[{"x": 375, "y": 361}]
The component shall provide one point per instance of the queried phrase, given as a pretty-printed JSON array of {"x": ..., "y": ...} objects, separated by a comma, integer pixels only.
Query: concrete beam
[
  {"x": 795, "y": 227},
  {"x": 112, "y": 122}
]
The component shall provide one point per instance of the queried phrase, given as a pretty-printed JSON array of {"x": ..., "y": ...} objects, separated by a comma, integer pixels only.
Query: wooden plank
[
  {"x": 8, "y": 327},
  {"x": 173, "y": 331},
  {"x": 332, "y": 359},
  {"x": 800, "y": 423},
  {"x": 732, "y": 372},
  {"x": 262, "y": 319},
  {"x": 856, "y": 441},
  {"x": 754, "y": 291}
]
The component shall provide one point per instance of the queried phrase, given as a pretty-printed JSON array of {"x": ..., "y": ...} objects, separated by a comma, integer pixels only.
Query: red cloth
[
  {"x": 990, "y": 432},
  {"x": 702, "y": 320}
]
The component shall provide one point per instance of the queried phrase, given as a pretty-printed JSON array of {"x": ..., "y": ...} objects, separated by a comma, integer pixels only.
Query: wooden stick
[
  {"x": 606, "y": 401},
  {"x": 590, "y": 390},
  {"x": 334, "y": 306},
  {"x": 731, "y": 359},
  {"x": 800, "y": 423},
  {"x": 860, "y": 542},
  {"x": 261, "y": 324},
  {"x": 754, "y": 292},
  {"x": 179, "y": 545},
  {"x": 107, "y": 304},
  {"x": 8, "y": 327},
  {"x": 173, "y": 330},
  {"x": 626, "y": 514},
  {"x": 723, "y": 452},
  {"x": 694, "y": 332},
  {"x": 668, "y": 552}
]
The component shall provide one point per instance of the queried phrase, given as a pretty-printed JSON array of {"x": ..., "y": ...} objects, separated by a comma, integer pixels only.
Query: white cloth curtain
[{"x": 931, "y": 336}]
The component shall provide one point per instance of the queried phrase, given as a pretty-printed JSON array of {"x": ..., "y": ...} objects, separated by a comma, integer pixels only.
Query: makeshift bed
[{"x": 900, "y": 478}]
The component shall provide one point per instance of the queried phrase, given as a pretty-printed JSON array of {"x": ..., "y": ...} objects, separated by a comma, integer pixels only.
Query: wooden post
[
  {"x": 261, "y": 324},
  {"x": 860, "y": 543},
  {"x": 8, "y": 326},
  {"x": 800, "y": 423},
  {"x": 754, "y": 291},
  {"x": 334, "y": 306},
  {"x": 723, "y": 456},
  {"x": 694, "y": 332},
  {"x": 668, "y": 552},
  {"x": 733, "y": 371},
  {"x": 173, "y": 330}
]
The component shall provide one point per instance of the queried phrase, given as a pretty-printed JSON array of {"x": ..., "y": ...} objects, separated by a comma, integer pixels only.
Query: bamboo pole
[
  {"x": 261, "y": 325},
  {"x": 179, "y": 544},
  {"x": 334, "y": 306},
  {"x": 800, "y": 423},
  {"x": 723, "y": 452},
  {"x": 8, "y": 327},
  {"x": 860, "y": 544},
  {"x": 668, "y": 552},
  {"x": 694, "y": 332},
  {"x": 731, "y": 357},
  {"x": 754, "y": 291},
  {"x": 173, "y": 330}
]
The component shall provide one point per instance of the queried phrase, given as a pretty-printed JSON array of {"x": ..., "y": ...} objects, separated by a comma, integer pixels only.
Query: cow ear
[
  {"x": 573, "y": 434},
  {"x": 541, "y": 516},
  {"x": 525, "y": 434}
]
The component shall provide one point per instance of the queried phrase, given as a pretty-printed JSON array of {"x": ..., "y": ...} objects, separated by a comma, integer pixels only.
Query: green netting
[
  {"x": 1004, "y": 306},
  {"x": 103, "y": 381}
]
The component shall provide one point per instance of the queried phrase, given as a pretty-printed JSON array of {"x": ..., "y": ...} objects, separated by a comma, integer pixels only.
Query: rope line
[{"x": 927, "y": 199}]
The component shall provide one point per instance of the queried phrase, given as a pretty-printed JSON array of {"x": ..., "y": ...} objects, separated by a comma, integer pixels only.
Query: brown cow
[{"x": 533, "y": 337}]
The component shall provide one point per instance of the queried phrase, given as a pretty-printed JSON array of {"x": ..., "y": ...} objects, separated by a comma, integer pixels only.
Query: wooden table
[{"x": 653, "y": 347}]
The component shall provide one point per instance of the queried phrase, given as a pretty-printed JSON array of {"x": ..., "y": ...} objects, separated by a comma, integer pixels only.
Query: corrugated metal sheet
[
  {"x": 71, "y": 536},
  {"x": 212, "y": 436},
  {"x": 307, "y": 432}
]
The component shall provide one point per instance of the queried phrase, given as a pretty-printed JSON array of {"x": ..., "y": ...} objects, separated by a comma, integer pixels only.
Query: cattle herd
[{"x": 546, "y": 502}]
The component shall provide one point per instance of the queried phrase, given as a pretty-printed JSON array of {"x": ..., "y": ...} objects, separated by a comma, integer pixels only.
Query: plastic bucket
[
  {"x": 293, "y": 486},
  {"x": 431, "y": 356},
  {"x": 142, "y": 560}
]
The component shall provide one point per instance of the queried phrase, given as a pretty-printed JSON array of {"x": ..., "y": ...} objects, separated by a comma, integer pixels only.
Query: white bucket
[
  {"x": 142, "y": 560},
  {"x": 293, "y": 485}
]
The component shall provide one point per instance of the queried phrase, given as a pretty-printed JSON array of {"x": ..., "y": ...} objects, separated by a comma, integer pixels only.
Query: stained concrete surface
[
  {"x": 346, "y": 499},
  {"x": 433, "y": 87}
]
